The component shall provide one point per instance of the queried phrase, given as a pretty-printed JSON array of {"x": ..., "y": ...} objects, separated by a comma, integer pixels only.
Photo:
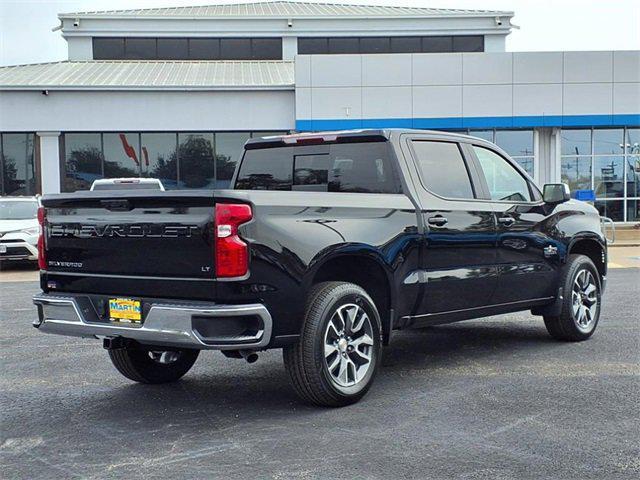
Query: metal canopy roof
[
  {"x": 282, "y": 9},
  {"x": 150, "y": 75}
]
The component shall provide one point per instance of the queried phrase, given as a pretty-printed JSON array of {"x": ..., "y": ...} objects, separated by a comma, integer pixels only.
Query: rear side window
[
  {"x": 443, "y": 169},
  {"x": 341, "y": 167},
  {"x": 503, "y": 180}
]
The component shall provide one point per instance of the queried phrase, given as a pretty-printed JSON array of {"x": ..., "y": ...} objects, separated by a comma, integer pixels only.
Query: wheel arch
[
  {"x": 592, "y": 247},
  {"x": 364, "y": 268}
]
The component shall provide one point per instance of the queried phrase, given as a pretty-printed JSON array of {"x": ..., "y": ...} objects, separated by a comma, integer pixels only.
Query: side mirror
[{"x": 556, "y": 193}]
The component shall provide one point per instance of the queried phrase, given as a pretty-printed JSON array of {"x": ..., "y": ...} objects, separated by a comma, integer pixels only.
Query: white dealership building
[{"x": 174, "y": 93}]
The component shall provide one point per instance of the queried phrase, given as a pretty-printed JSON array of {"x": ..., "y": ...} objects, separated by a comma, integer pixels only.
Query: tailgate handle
[{"x": 117, "y": 205}]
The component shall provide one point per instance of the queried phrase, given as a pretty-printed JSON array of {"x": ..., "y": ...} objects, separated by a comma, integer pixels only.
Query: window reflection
[
  {"x": 576, "y": 172},
  {"x": 608, "y": 141},
  {"x": 228, "y": 149},
  {"x": 18, "y": 169},
  {"x": 195, "y": 157},
  {"x": 159, "y": 159},
  {"x": 83, "y": 160},
  {"x": 609, "y": 177},
  {"x": 576, "y": 142},
  {"x": 633, "y": 141},
  {"x": 633, "y": 210},
  {"x": 121, "y": 155},
  {"x": 612, "y": 209},
  {"x": 633, "y": 176}
]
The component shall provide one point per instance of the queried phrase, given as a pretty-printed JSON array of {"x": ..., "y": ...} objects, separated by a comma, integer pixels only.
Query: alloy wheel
[
  {"x": 348, "y": 345},
  {"x": 584, "y": 300}
]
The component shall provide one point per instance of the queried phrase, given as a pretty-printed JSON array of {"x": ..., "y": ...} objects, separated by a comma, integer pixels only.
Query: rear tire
[
  {"x": 581, "y": 304},
  {"x": 336, "y": 359},
  {"x": 158, "y": 366}
]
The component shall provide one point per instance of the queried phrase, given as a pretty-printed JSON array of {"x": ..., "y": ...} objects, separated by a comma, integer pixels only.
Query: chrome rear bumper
[{"x": 165, "y": 324}]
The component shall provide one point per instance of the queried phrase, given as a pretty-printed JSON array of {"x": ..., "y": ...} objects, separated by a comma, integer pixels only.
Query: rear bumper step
[{"x": 210, "y": 326}]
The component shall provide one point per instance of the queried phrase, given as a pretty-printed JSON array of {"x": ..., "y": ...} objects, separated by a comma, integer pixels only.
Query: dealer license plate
[{"x": 125, "y": 310}]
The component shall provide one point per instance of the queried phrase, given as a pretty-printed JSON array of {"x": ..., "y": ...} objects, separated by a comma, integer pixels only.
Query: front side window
[
  {"x": 442, "y": 169},
  {"x": 504, "y": 181}
]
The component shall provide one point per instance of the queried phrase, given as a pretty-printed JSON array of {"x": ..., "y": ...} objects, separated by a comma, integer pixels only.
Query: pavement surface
[{"x": 495, "y": 398}]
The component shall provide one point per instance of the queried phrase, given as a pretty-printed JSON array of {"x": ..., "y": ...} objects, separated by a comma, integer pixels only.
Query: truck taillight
[
  {"x": 42, "y": 247},
  {"x": 232, "y": 254}
]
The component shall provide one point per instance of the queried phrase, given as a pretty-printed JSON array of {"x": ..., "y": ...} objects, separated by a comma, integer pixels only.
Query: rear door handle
[
  {"x": 437, "y": 221},
  {"x": 506, "y": 221}
]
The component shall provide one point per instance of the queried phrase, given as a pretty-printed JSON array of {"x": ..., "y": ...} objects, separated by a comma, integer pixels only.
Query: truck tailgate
[{"x": 131, "y": 233}]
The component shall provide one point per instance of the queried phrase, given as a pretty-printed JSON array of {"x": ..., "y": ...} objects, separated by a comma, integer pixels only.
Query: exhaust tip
[{"x": 249, "y": 355}]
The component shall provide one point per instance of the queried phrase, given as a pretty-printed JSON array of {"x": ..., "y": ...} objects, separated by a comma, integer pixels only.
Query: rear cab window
[{"x": 357, "y": 167}]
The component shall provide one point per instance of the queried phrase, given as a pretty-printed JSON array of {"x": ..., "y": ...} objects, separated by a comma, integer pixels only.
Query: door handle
[
  {"x": 506, "y": 221},
  {"x": 437, "y": 221}
]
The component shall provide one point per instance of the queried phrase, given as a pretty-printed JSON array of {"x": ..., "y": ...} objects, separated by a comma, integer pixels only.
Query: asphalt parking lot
[{"x": 493, "y": 398}]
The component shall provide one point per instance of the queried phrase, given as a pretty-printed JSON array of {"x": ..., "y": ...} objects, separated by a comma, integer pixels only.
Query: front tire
[
  {"x": 153, "y": 366},
  {"x": 580, "y": 310},
  {"x": 336, "y": 359}
]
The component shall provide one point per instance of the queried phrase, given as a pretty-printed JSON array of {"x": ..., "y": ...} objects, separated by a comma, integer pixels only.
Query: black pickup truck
[{"x": 327, "y": 244}]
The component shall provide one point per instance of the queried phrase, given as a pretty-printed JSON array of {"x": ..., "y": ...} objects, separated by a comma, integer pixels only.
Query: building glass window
[
  {"x": 266, "y": 49},
  {"x": 121, "y": 155},
  {"x": 195, "y": 160},
  {"x": 228, "y": 150},
  {"x": 159, "y": 158},
  {"x": 178, "y": 159},
  {"x": 437, "y": 44},
  {"x": 83, "y": 160},
  {"x": 18, "y": 164},
  {"x": 608, "y": 141},
  {"x": 375, "y": 45},
  {"x": 609, "y": 165},
  {"x": 633, "y": 210},
  {"x": 633, "y": 141},
  {"x": 173, "y": 48},
  {"x": 614, "y": 209},
  {"x": 313, "y": 46},
  {"x": 576, "y": 172},
  {"x": 406, "y": 44},
  {"x": 339, "y": 45},
  {"x": 633, "y": 175},
  {"x": 185, "y": 48},
  {"x": 140, "y": 49},
  {"x": 608, "y": 177},
  {"x": 108, "y": 48},
  {"x": 235, "y": 48},
  {"x": 576, "y": 142},
  {"x": 468, "y": 43},
  {"x": 204, "y": 48},
  {"x": 425, "y": 44}
]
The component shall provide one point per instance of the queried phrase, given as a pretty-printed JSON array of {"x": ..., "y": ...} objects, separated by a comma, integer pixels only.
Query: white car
[{"x": 19, "y": 228}]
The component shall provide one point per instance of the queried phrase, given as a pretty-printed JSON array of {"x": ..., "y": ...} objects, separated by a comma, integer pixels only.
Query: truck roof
[{"x": 339, "y": 136}]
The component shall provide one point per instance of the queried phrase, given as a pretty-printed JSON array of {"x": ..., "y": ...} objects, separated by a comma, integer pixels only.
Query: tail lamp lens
[
  {"x": 42, "y": 248},
  {"x": 232, "y": 254}
]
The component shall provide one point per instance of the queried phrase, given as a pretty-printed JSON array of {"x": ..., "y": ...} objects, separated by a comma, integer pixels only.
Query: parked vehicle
[
  {"x": 127, "y": 184},
  {"x": 19, "y": 229},
  {"x": 327, "y": 244}
]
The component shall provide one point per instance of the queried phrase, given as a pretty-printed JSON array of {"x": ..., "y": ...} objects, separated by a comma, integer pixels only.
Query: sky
[{"x": 545, "y": 25}]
